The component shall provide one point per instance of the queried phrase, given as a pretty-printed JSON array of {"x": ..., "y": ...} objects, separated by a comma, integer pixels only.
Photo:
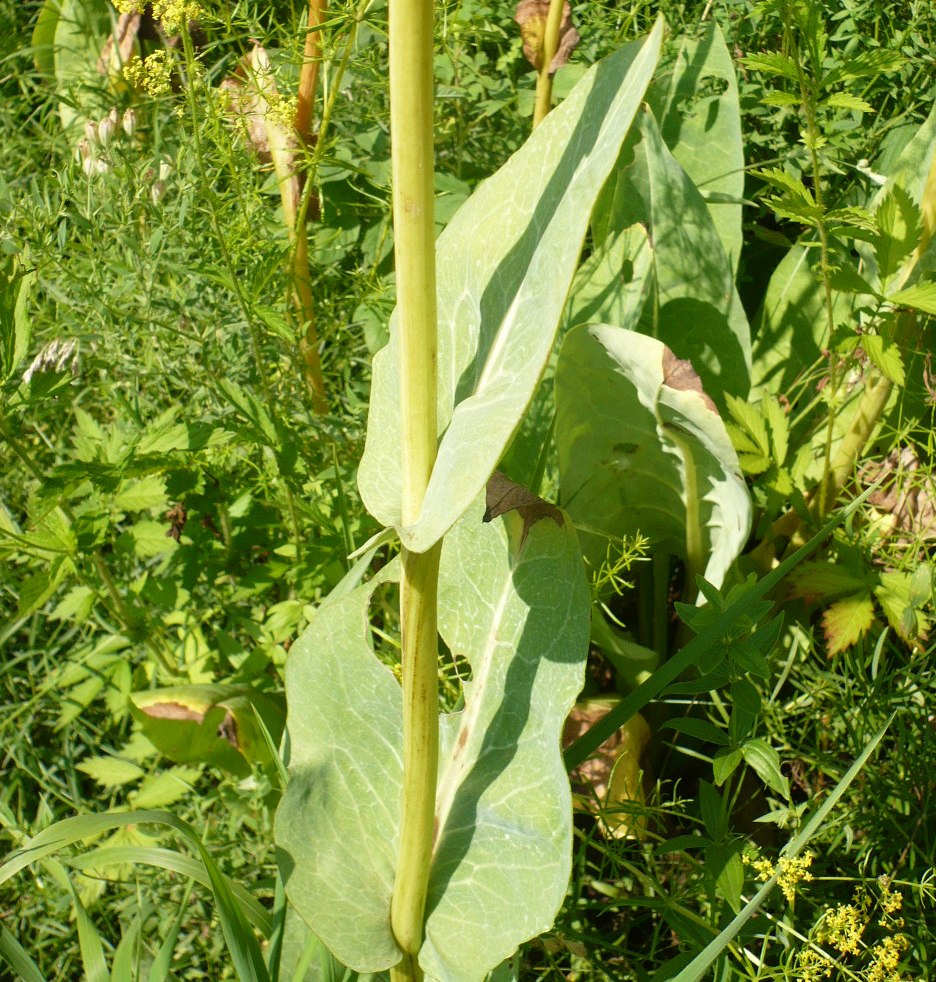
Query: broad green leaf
[
  {"x": 846, "y": 621},
  {"x": 920, "y": 297},
  {"x": 164, "y": 787},
  {"x": 695, "y": 309},
  {"x": 337, "y": 825},
  {"x": 724, "y": 868},
  {"x": 505, "y": 263},
  {"x": 16, "y": 283},
  {"x": 642, "y": 449},
  {"x": 43, "y": 37},
  {"x": 111, "y": 771},
  {"x": 724, "y": 763},
  {"x": 765, "y": 760},
  {"x": 514, "y": 599},
  {"x": 213, "y": 724},
  {"x": 149, "y": 538},
  {"x": 816, "y": 580},
  {"x": 81, "y": 29},
  {"x": 792, "y": 328},
  {"x": 702, "y": 129}
]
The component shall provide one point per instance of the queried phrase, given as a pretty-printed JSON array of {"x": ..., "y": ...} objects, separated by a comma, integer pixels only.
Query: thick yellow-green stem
[
  {"x": 550, "y": 46},
  {"x": 411, "y": 140}
]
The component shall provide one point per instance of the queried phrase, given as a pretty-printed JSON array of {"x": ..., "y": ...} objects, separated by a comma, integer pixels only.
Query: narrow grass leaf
[{"x": 16, "y": 956}]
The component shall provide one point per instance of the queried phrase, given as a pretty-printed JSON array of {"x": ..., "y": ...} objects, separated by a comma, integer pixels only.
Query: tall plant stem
[
  {"x": 295, "y": 217},
  {"x": 411, "y": 54},
  {"x": 544, "y": 79}
]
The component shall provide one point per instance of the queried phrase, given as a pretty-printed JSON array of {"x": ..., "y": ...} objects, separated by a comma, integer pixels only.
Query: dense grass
[{"x": 168, "y": 271}]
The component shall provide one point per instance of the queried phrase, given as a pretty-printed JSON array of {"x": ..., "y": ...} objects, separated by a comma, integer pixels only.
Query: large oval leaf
[
  {"x": 504, "y": 263},
  {"x": 514, "y": 600},
  {"x": 700, "y": 118},
  {"x": 642, "y": 448},
  {"x": 338, "y": 823},
  {"x": 696, "y": 310}
]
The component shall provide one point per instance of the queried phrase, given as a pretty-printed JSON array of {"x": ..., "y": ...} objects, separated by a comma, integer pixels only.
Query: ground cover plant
[{"x": 340, "y": 532}]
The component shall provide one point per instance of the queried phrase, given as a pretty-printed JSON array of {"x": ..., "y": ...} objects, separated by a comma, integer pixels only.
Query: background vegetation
[{"x": 171, "y": 503}]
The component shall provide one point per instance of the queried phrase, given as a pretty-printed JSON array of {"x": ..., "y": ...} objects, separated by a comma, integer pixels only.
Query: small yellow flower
[
  {"x": 842, "y": 928},
  {"x": 283, "y": 112},
  {"x": 174, "y": 15},
  {"x": 891, "y": 901},
  {"x": 812, "y": 966},
  {"x": 152, "y": 75},
  {"x": 886, "y": 957},
  {"x": 792, "y": 871}
]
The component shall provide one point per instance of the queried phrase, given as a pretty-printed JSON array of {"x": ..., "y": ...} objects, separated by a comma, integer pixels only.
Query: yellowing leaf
[
  {"x": 111, "y": 772},
  {"x": 846, "y": 621}
]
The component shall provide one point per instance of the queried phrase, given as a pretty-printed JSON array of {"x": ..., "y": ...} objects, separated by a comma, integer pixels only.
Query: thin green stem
[
  {"x": 411, "y": 139},
  {"x": 545, "y": 76}
]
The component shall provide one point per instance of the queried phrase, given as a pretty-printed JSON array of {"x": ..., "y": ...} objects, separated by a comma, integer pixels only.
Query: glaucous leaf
[
  {"x": 504, "y": 264},
  {"x": 642, "y": 447}
]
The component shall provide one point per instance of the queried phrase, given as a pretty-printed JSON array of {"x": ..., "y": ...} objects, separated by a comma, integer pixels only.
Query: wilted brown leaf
[
  {"x": 118, "y": 48},
  {"x": 678, "y": 373},
  {"x": 531, "y": 16},
  {"x": 908, "y": 494},
  {"x": 616, "y": 773}
]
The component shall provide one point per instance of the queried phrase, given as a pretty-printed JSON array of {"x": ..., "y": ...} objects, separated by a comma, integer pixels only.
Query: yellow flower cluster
[
  {"x": 152, "y": 75},
  {"x": 885, "y": 957},
  {"x": 172, "y": 14},
  {"x": 282, "y": 112},
  {"x": 789, "y": 871},
  {"x": 842, "y": 928}
]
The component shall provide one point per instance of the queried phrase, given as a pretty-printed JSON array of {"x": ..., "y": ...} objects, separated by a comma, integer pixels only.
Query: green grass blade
[
  {"x": 89, "y": 941},
  {"x": 126, "y": 957},
  {"x": 14, "y": 954},
  {"x": 176, "y": 862},
  {"x": 699, "y": 965},
  {"x": 162, "y": 962},
  {"x": 242, "y": 945}
]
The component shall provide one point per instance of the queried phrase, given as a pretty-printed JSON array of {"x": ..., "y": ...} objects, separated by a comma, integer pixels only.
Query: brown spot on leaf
[
  {"x": 504, "y": 495},
  {"x": 531, "y": 16},
  {"x": 228, "y": 731},
  {"x": 679, "y": 374}
]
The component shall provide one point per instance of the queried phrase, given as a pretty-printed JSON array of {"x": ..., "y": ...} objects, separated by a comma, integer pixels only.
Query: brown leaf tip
[
  {"x": 531, "y": 16},
  {"x": 679, "y": 374}
]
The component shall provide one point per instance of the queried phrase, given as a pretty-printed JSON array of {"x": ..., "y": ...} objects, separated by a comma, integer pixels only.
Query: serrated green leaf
[
  {"x": 501, "y": 290},
  {"x": 868, "y": 63},
  {"x": 165, "y": 787},
  {"x": 781, "y": 99},
  {"x": 846, "y": 621},
  {"x": 899, "y": 222},
  {"x": 894, "y": 595},
  {"x": 922, "y": 296},
  {"x": 147, "y": 492},
  {"x": 816, "y": 580},
  {"x": 787, "y": 182},
  {"x": 75, "y": 605},
  {"x": 772, "y": 63},
  {"x": 765, "y": 761},
  {"x": 111, "y": 772},
  {"x": 885, "y": 356},
  {"x": 844, "y": 100},
  {"x": 150, "y": 538}
]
